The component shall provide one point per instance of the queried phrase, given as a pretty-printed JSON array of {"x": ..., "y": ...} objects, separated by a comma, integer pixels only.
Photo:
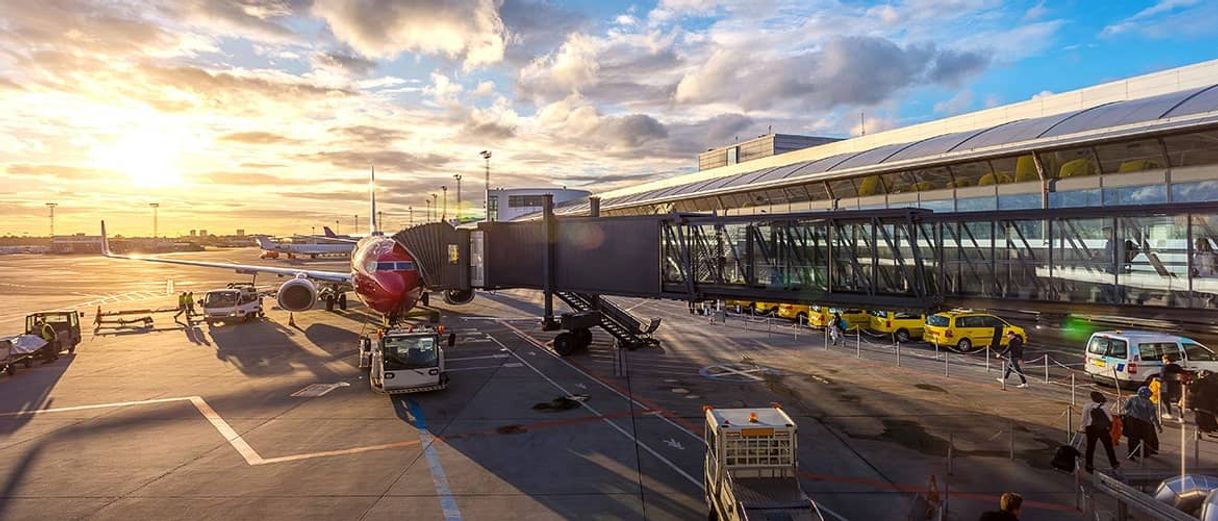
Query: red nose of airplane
[{"x": 386, "y": 278}]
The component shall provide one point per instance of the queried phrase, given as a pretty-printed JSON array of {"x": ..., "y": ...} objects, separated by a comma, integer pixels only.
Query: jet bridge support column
[{"x": 547, "y": 262}]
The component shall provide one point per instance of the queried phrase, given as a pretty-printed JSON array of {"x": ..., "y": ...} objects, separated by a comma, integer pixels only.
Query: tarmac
[{"x": 269, "y": 421}]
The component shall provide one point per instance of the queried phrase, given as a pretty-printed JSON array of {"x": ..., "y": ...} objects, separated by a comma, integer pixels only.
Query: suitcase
[{"x": 1065, "y": 458}]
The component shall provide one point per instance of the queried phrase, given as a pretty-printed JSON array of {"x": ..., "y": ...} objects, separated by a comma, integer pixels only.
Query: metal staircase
[{"x": 628, "y": 330}]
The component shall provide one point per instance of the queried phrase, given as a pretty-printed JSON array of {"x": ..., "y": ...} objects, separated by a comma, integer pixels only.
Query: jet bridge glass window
[
  {"x": 1074, "y": 162},
  {"x": 971, "y": 174},
  {"x": 1013, "y": 169},
  {"x": 1130, "y": 156},
  {"x": 1200, "y": 148}
]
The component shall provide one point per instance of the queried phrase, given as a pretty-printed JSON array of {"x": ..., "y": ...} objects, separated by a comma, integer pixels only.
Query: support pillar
[
  {"x": 594, "y": 206},
  {"x": 547, "y": 262}
]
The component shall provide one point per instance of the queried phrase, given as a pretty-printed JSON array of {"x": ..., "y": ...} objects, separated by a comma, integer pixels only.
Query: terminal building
[
  {"x": 1148, "y": 139},
  {"x": 505, "y": 204}
]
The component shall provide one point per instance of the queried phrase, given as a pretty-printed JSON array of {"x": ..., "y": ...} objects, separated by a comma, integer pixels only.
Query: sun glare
[{"x": 148, "y": 157}]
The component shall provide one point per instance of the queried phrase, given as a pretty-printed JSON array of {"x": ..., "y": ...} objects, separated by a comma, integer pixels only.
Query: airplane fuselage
[{"x": 384, "y": 276}]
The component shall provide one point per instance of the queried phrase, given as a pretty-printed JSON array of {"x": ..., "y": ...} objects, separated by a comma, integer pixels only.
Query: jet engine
[
  {"x": 458, "y": 296},
  {"x": 298, "y": 294}
]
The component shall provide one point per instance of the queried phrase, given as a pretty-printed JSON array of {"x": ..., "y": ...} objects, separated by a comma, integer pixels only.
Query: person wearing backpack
[
  {"x": 1097, "y": 425},
  {"x": 837, "y": 326}
]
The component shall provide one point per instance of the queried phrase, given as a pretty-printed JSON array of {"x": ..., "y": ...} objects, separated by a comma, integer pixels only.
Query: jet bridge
[{"x": 1151, "y": 261}]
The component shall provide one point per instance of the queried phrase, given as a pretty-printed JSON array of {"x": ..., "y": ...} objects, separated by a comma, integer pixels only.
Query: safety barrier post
[
  {"x": 1073, "y": 401},
  {"x": 898, "y": 355},
  {"x": 987, "y": 359},
  {"x": 1011, "y": 426},
  {"x": 1046, "y": 368},
  {"x": 1197, "y": 447},
  {"x": 951, "y": 444},
  {"x": 1069, "y": 424},
  {"x": 826, "y": 339},
  {"x": 858, "y": 339},
  {"x": 1004, "y": 375},
  {"x": 937, "y": 350},
  {"x": 945, "y": 364}
]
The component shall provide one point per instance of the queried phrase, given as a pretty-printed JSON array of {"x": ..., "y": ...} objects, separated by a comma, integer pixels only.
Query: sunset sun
[{"x": 148, "y": 157}]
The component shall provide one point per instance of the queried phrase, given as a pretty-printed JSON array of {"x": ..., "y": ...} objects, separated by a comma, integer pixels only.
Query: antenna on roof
[{"x": 862, "y": 124}]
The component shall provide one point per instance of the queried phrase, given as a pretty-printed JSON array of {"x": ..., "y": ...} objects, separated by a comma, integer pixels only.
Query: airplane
[
  {"x": 272, "y": 249},
  {"x": 384, "y": 276}
]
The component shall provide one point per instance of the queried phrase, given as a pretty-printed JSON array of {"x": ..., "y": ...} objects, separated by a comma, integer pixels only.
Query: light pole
[
  {"x": 435, "y": 206},
  {"x": 458, "y": 212},
  {"x": 444, "y": 204},
  {"x": 427, "y": 216},
  {"x": 486, "y": 203},
  {"x": 410, "y": 212},
  {"x": 380, "y": 219},
  {"x": 154, "y": 212},
  {"x": 336, "y": 227},
  {"x": 356, "y": 219},
  {"x": 51, "y": 207}
]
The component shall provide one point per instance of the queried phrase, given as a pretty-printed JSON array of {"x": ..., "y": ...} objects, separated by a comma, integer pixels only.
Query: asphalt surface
[{"x": 200, "y": 422}]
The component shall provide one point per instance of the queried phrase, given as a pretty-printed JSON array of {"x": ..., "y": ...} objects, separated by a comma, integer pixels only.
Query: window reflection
[
  {"x": 1075, "y": 198},
  {"x": 1064, "y": 164},
  {"x": 976, "y": 204},
  {"x": 1135, "y": 195},
  {"x": 1018, "y": 201},
  {"x": 1011, "y": 170},
  {"x": 970, "y": 174},
  {"x": 1193, "y": 192},
  {"x": 1200, "y": 148},
  {"x": 1130, "y": 156}
]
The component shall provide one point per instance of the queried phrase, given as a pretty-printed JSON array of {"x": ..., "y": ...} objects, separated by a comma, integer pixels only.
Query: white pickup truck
[{"x": 236, "y": 303}]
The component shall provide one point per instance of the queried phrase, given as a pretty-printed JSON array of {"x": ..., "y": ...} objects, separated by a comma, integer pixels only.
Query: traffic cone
[{"x": 292, "y": 319}]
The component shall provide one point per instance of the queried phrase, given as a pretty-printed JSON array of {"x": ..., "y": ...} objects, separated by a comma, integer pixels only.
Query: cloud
[
  {"x": 496, "y": 122},
  {"x": 372, "y": 136},
  {"x": 63, "y": 172},
  {"x": 468, "y": 30},
  {"x": 484, "y": 89},
  {"x": 256, "y": 138},
  {"x": 1169, "y": 19},
  {"x": 848, "y": 70},
  {"x": 391, "y": 160},
  {"x": 345, "y": 62},
  {"x": 255, "y": 19},
  {"x": 243, "y": 178},
  {"x": 536, "y": 27},
  {"x": 230, "y": 90},
  {"x": 959, "y": 103}
]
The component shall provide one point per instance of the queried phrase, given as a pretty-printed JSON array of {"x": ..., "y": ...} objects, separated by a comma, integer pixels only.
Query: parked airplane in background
[
  {"x": 383, "y": 275},
  {"x": 272, "y": 249}
]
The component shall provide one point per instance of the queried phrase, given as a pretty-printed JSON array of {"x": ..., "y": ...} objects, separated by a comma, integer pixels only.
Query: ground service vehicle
[
  {"x": 966, "y": 330},
  {"x": 67, "y": 331},
  {"x": 796, "y": 312},
  {"x": 21, "y": 349},
  {"x": 901, "y": 325},
  {"x": 236, "y": 303},
  {"x": 765, "y": 308},
  {"x": 751, "y": 459},
  {"x": 405, "y": 360},
  {"x": 1137, "y": 356}
]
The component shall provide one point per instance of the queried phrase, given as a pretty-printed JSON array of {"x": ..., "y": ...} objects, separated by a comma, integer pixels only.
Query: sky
[{"x": 267, "y": 115}]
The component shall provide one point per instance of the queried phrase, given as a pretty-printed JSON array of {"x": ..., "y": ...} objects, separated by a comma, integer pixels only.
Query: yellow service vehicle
[
  {"x": 965, "y": 330},
  {"x": 902, "y": 325},
  {"x": 796, "y": 312}
]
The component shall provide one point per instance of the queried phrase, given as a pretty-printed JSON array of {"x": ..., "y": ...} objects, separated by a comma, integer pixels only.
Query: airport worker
[
  {"x": 46, "y": 331},
  {"x": 181, "y": 304},
  {"x": 836, "y": 326},
  {"x": 1014, "y": 356},
  {"x": 1008, "y": 508},
  {"x": 1173, "y": 384},
  {"x": 190, "y": 304},
  {"x": 1097, "y": 426},
  {"x": 1141, "y": 424}
]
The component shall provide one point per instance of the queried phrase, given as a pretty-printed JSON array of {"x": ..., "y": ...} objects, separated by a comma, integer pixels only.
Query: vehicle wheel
[
  {"x": 329, "y": 303},
  {"x": 565, "y": 344},
  {"x": 902, "y": 336},
  {"x": 72, "y": 349},
  {"x": 342, "y": 301},
  {"x": 584, "y": 335},
  {"x": 965, "y": 345}
]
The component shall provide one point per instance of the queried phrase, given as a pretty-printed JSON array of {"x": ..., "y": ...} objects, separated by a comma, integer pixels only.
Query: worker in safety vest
[
  {"x": 190, "y": 304},
  {"x": 47, "y": 333},
  {"x": 181, "y": 305}
]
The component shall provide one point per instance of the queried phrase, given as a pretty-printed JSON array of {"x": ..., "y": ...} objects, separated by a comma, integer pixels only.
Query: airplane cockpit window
[
  {"x": 395, "y": 266},
  {"x": 411, "y": 353}
]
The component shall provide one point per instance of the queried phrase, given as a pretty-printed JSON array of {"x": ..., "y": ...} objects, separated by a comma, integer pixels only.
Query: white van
[{"x": 1137, "y": 356}]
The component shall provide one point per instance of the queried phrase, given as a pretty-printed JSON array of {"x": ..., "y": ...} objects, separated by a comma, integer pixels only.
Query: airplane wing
[{"x": 326, "y": 276}]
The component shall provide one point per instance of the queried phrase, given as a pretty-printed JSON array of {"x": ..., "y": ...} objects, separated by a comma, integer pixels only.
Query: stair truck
[
  {"x": 751, "y": 459},
  {"x": 405, "y": 360}
]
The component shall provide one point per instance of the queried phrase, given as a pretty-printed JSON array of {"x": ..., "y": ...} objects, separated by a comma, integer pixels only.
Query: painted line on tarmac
[
  {"x": 665, "y": 415},
  {"x": 448, "y": 504},
  {"x": 606, "y": 419},
  {"x": 484, "y": 357},
  {"x": 482, "y": 367}
]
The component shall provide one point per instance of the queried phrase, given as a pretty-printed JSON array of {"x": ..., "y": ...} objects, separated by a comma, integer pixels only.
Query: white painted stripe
[
  {"x": 97, "y": 406},
  {"x": 480, "y": 367},
  {"x": 615, "y": 426},
  {"x": 458, "y": 359},
  {"x": 251, "y": 456}
]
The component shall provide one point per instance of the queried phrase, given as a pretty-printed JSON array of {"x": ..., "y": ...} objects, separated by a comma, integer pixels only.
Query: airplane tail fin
[
  {"x": 264, "y": 243},
  {"x": 329, "y": 232},
  {"x": 372, "y": 227},
  {"x": 105, "y": 241}
]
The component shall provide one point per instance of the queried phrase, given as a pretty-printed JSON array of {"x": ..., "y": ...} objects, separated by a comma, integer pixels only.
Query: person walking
[
  {"x": 181, "y": 305},
  {"x": 1142, "y": 425},
  {"x": 836, "y": 326},
  {"x": 190, "y": 304},
  {"x": 1097, "y": 425},
  {"x": 1013, "y": 357},
  {"x": 1009, "y": 506},
  {"x": 1173, "y": 384}
]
